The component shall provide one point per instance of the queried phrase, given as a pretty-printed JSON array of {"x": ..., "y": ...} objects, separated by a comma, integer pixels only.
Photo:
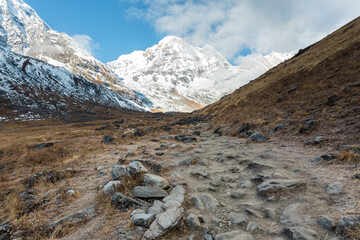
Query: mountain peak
[{"x": 171, "y": 39}]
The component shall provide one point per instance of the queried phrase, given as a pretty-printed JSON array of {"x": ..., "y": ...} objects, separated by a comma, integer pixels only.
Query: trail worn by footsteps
[{"x": 241, "y": 190}]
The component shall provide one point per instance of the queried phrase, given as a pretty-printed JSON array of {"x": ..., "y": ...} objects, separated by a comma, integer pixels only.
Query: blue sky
[
  {"x": 105, "y": 21},
  {"x": 234, "y": 27}
]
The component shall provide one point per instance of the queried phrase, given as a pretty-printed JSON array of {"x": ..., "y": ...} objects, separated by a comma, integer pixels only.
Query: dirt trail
[{"x": 222, "y": 167}]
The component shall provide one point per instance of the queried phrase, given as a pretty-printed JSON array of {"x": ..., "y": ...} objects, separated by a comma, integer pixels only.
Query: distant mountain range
[
  {"x": 177, "y": 76},
  {"x": 170, "y": 76}
]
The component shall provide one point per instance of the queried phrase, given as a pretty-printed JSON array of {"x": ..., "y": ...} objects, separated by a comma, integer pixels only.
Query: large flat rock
[
  {"x": 148, "y": 192},
  {"x": 272, "y": 186}
]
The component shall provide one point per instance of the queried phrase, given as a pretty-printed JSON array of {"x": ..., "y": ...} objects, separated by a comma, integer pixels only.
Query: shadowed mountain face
[
  {"x": 317, "y": 92},
  {"x": 30, "y": 89}
]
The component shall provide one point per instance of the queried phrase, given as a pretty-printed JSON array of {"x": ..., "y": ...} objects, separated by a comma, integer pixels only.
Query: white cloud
[
  {"x": 85, "y": 42},
  {"x": 260, "y": 25}
]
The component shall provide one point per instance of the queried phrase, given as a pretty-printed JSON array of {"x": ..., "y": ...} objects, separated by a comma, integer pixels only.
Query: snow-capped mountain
[
  {"x": 25, "y": 33},
  {"x": 176, "y": 76},
  {"x": 30, "y": 86}
]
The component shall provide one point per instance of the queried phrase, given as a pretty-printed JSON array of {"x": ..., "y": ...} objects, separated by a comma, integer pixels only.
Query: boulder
[
  {"x": 143, "y": 220},
  {"x": 119, "y": 171},
  {"x": 156, "y": 208},
  {"x": 335, "y": 188},
  {"x": 299, "y": 233},
  {"x": 165, "y": 221},
  {"x": 193, "y": 221},
  {"x": 155, "y": 180},
  {"x": 326, "y": 222},
  {"x": 171, "y": 204},
  {"x": 110, "y": 188},
  {"x": 148, "y": 192},
  {"x": 348, "y": 224},
  {"x": 107, "y": 139},
  {"x": 41, "y": 146},
  {"x": 136, "y": 167},
  {"x": 295, "y": 215},
  {"x": 236, "y": 218},
  {"x": 252, "y": 227},
  {"x": 270, "y": 213},
  {"x": 75, "y": 217},
  {"x": 257, "y": 137},
  {"x": 124, "y": 203},
  {"x": 204, "y": 201},
  {"x": 234, "y": 235},
  {"x": 272, "y": 186}
]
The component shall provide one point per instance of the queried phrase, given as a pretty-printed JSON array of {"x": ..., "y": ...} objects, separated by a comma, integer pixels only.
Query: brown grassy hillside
[{"x": 320, "y": 84}]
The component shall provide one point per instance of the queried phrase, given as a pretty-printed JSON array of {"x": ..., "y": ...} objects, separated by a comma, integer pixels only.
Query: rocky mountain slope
[
  {"x": 25, "y": 33},
  {"x": 31, "y": 89},
  {"x": 316, "y": 93},
  {"x": 176, "y": 76}
]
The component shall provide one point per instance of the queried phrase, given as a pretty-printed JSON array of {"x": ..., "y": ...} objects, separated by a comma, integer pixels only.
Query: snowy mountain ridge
[
  {"x": 31, "y": 86},
  {"x": 177, "y": 76},
  {"x": 25, "y": 33}
]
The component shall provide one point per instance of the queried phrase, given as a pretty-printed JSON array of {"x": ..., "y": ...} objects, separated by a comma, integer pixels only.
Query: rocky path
[{"x": 216, "y": 187}]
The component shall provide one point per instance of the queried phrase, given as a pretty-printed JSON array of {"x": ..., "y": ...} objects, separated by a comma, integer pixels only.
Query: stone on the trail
[
  {"x": 143, "y": 220},
  {"x": 299, "y": 233},
  {"x": 348, "y": 224},
  {"x": 246, "y": 184},
  {"x": 41, "y": 146},
  {"x": 171, "y": 204},
  {"x": 326, "y": 222},
  {"x": 252, "y": 227},
  {"x": 278, "y": 128},
  {"x": 273, "y": 186},
  {"x": 238, "y": 194},
  {"x": 258, "y": 166},
  {"x": 234, "y": 235},
  {"x": 201, "y": 173},
  {"x": 334, "y": 188},
  {"x": 204, "y": 201},
  {"x": 318, "y": 139},
  {"x": 178, "y": 190},
  {"x": 124, "y": 203},
  {"x": 208, "y": 237},
  {"x": 156, "y": 208},
  {"x": 148, "y": 192},
  {"x": 326, "y": 157},
  {"x": 76, "y": 217},
  {"x": 155, "y": 180},
  {"x": 270, "y": 213},
  {"x": 254, "y": 212},
  {"x": 193, "y": 221},
  {"x": 215, "y": 182},
  {"x": 136, "y": 167},
  {"x": 107, "y": 139},
  {"x": 137, "y": 211},
  {"x": 356, "y": 176},
  {"x": 186, "y": 139},
  {"x": 177, "y": 194},
  {"x": 165, "y": 221},
  {"x": 295, "y": 215},
  {"x": 110, "y": 188},
  {"x": 259, "y": 178},
  {"x": 119, "y": 171},
  {"x": 257, "y": 137},
  {"x": 236, "y": 218}
]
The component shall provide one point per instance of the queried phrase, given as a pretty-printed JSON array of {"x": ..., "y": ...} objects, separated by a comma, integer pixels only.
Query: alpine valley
[{"x": 170, "y": 76}]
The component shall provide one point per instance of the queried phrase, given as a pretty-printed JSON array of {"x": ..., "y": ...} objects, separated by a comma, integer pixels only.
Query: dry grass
[
  {"x": 348, "y": 157},
  {"x": 326, "y": 69}
]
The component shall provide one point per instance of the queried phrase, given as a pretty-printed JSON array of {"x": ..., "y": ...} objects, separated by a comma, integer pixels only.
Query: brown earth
[{"x": 321, "y": 83}]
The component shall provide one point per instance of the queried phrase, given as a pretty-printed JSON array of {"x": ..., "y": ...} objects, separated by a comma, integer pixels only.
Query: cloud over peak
[{"x": 260, "y": 25}]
